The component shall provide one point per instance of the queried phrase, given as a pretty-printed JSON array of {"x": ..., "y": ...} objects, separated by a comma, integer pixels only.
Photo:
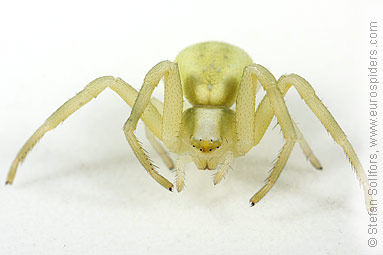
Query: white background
[{"x": 82, "y": 191}]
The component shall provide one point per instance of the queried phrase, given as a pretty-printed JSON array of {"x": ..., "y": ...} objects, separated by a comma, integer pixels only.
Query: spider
[{"x": 213, "y": 76}]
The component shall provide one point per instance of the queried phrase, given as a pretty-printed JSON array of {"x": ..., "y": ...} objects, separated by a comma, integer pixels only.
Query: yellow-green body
[{"x": 210, "y": 74}]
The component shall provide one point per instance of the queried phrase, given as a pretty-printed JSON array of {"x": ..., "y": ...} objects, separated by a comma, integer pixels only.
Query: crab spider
[{"x": 213, "y": 76}]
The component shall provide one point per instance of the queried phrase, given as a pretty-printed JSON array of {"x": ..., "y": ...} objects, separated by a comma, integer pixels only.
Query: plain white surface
[{"x": 82, "y": 191}]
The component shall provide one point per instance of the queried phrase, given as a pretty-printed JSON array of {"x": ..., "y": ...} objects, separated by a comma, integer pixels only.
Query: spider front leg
[
  {"x": 245, "y": 112},
  {"x": 307, "y": 93},
  {"x": 172, "y": 114},
  {"x": 151, "y": 116}
]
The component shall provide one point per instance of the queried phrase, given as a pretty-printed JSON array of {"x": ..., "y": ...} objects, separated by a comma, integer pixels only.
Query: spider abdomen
[{"x": 211, "y": 72}]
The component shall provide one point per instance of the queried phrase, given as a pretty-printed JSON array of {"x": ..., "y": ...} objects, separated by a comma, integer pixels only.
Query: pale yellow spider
[{"x": 212, "y": 76}]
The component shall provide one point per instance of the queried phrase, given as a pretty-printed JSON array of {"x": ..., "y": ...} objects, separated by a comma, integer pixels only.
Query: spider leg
[
  {"x": 151, "y": 116},
  {"x": 252, "y": 132},
  {"x": 251, "y": 75},
  {"x": 159, "y": 148},
  {"x": 307, "y": 93},
  {"x": 172, "y": 114},
  {"x": 306, "y": 148},
  {"x": 262, "y": 119},
  {"x": 244, "y": 111}
]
